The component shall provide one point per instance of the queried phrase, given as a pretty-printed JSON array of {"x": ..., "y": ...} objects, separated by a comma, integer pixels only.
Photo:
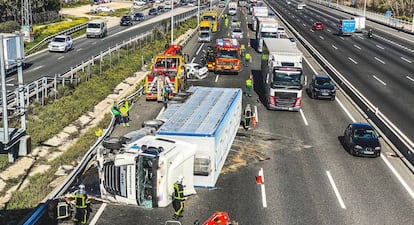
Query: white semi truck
[
  {"x": 193, "y": 142},
  {"x": 282, "y": 74},
  {"x": 232, "y": 8},
  {"x": 10, "y": 50},
  {"x": 267, "y": 27},
  {"x": 258, "y": 11}
]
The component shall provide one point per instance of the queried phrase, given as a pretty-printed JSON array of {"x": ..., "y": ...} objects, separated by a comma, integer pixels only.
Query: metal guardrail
[
  {"x": 399, "y": 24},
  {"x": 38, "y": 213},
  {"x": 405, "y": 147}
]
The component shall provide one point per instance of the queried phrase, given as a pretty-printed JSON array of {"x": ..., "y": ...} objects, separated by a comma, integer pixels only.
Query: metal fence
[{"x": 377, "y": 17}]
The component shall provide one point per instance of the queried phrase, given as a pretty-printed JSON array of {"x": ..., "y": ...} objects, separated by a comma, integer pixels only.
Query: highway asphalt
[{"x": 308, "y": 176}]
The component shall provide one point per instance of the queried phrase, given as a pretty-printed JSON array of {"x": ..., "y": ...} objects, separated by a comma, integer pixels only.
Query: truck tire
[{"x": 112, "y": 143}]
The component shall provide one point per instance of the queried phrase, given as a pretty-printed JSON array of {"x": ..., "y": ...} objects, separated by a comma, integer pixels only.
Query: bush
[{"x": 9, "y": 27}]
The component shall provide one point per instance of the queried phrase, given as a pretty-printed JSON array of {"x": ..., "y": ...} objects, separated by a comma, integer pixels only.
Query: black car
[
  {"x": 160, "y": 8},
  {"x": 152, "y": 11},
  {"x": 361, "y": 139},
  {"x": 139, "y": 16},
  {"x": 322, "y": 86},
  {"x": 126, "y": 21}
]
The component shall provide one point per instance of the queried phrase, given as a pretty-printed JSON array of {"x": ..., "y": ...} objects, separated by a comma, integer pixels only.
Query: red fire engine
[
  {"x": 166, "y": 71},
  {"x": 228, "y": 56}
]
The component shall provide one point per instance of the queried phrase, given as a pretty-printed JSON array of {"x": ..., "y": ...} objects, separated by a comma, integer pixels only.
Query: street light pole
[
  {"x": 365, "y": 7},
  {"x": 172, "y": 22},
  {"x": 198, "y": 13}
]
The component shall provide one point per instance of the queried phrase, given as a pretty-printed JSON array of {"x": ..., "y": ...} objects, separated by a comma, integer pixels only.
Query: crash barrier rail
[
  {"x": 404, "y": 146},
  {"x": 45, "y": 85},
  {"x": 403, "y": 25},
  {"x": 67, "y": 31},
  {"x": 73, "y": 177}
]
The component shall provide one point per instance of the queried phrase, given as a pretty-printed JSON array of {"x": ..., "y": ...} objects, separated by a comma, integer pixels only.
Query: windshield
[
  {"x": 205, "y": 28},
  {"x": 228, "y": 54},
  {"x": 323, "y": 82},
  {"x": 237, "y": 30},
  {"x": 94, "y": 25},
  {"x": 287, "y": 78},
  {"x": 209, "y": 18},
  {"x": 58, "y": 39},
  {"x": 204, "y": 34},
  {"x": 269, "y": 35},
  {"x": 364, "y": 133}
]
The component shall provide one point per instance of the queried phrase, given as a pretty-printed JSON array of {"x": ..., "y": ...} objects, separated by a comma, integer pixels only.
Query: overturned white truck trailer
[
  {"x": 194, "y": 142},
  {"x": 209, "y": 118}
]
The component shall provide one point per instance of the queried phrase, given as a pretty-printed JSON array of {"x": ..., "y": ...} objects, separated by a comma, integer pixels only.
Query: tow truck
[
  {"x": 166, "y": 71},
  {"x": 227, "y": 56}
]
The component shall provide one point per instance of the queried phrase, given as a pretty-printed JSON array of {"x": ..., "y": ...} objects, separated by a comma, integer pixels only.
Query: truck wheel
[{"x": 112, "y": 143}]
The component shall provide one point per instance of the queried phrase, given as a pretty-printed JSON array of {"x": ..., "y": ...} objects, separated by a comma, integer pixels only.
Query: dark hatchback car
[
  {"x": 152, "y": 12},
  {"x": 126, "y": 21},
  {"x": 360, "y": 139},
  {"x": 322, "y": 86},
  {"x": 160, "y": 8},
  {"x": 139, "y": 16}
]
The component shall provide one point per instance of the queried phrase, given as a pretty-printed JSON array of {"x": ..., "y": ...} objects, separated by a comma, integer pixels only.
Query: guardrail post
[
  {"x": 55, "y": 86},
  {"x": 44, "y": 90},
  {"x": 100, "y": 64},
  {"x": 110, "y": 57},
  {"x": 83, "y": 66},
  {"x": 119, "y": 51}
]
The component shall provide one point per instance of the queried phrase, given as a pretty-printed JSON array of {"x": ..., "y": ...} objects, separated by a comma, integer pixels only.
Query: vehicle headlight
[
  {"x": 378, "y": 148},
  {"x": 357, "y": 147}
]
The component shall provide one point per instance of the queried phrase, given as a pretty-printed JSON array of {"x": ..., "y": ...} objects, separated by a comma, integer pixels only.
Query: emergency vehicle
[
  {"x": 211, "y": 16},
  {"x": 210, "y": 57},
  {"x": 166, "y": 71},
  {"x": 228, "y": 55}
]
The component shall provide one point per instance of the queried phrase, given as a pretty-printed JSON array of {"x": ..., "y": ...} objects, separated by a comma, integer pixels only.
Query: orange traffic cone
[
  {"x": 259, "y": 178},
  {"x": 254, "y": 123}
]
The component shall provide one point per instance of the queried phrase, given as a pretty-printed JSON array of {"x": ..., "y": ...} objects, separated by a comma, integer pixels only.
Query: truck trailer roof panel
[
  {"x": 192, "y": 119},
  {"x": 284, "y": 45}
]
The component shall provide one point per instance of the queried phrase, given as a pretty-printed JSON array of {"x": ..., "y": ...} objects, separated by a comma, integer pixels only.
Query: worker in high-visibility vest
[
  {"x": 226, "y": 22},
  {"x": 242, "y": 50},
  {"x": 247, "y": 59},
  {"x": 81, "y": 205},
  {"x": 178, "y": 198},
  {"x": 249, "y": 87}
]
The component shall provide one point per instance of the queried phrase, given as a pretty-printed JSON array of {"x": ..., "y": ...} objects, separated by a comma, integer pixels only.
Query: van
[{"x": 96, "y": 28}]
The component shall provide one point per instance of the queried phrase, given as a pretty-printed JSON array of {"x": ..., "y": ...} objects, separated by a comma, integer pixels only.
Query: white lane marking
[
  {"x": 161, "y": 111},
  {"x": 199, "y": 49},
  {"x": 379, "y": 60},
  {"x": 321, "y": 37},
  {"x": 360, "y": 37},
  {"x": 353, "y": 60},
  {"x": 303, "y": 117},
  {"x": 342, "y": 38},
  {"x": 61, "y": 57},
  {"x": 9, "y": 80},
  {"x": 36, "y": 68},
  {"x": 379, "y": 46},
  {"x": 333, "y": 46},
  {"x": 356, "y": 46},
  {"x": 193, "y": 60},
  {"x": 79, "y": 49},
  {"x": 412, "y": 79},
  {"x": 407, "y": 60},
  {"x": 345, "y": 110},
  {"x": 256, "y": 113},
  {"x": 311, "y": 30},
  {"x": 338, "y": 195},
  {"x": 402, "y": 181},
  {"x": 216, "y": 78},
  {"x": 379, "y": 80},
  {"x": 98, "y": 214},
  {"x": 93, "y": 43},
  {"x": 329, "y": 30},
  {"x": 304, "y": 24}
]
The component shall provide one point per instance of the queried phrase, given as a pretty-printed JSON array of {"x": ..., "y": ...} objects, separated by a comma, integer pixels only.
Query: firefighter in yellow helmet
[
  {"x": 81, "y": 205},
  {"x": 178, "y": 198}
]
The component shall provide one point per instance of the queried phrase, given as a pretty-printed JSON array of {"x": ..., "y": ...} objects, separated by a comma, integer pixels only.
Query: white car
[
  {"x": 195, "y": 70},
  {"x": 60, "y": 43},
  {"x": 104, "y": 9},
  {"x": 139, "y": 2},
  {"x": 237, "y": 33}
]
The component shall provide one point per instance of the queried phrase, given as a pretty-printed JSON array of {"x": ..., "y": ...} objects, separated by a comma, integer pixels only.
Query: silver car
[
  {"x": 204, "y": 36},
  {"x": 61, "y": 43},
  {"x": 237, "y": 33}
]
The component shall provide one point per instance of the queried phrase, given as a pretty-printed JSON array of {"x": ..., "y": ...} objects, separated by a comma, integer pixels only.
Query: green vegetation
[{"x": 44, "y": 122}]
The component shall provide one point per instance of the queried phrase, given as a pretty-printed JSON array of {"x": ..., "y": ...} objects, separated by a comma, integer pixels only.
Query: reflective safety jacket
[
  {"x": 178, "y": 192},
  {"x": 81, "y": 200}
]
